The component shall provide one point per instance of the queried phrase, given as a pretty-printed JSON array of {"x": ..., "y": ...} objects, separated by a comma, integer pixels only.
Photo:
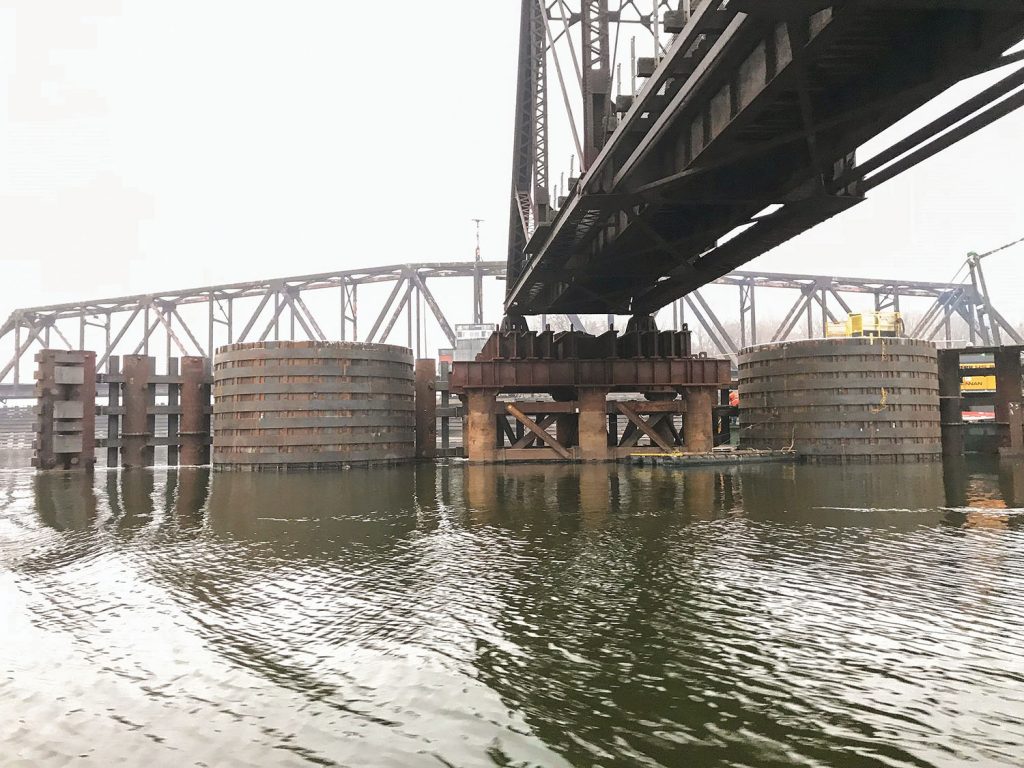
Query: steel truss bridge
[
  {"x": 742, "y": 135},
  {"x": 196, "y": 321}
]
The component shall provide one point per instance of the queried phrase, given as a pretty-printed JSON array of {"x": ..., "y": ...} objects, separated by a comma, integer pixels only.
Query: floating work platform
[{"x": 716, "y": 458}]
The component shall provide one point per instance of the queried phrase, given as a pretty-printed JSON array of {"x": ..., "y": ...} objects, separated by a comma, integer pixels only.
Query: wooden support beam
[
  {"x": 644, "y": 427},
  {"x": 525, "y": 441},
  {"x": 506, "y": 430},
  {"x": 532, "y": 426}
]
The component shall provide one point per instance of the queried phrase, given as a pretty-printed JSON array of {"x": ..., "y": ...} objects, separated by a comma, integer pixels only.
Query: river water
[{"x": 527, "y": 616}]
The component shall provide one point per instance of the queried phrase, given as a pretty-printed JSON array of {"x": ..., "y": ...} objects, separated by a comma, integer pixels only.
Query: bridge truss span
[
  {"x": 742, "y": 135},
  {"x": 405, "y": 298}
]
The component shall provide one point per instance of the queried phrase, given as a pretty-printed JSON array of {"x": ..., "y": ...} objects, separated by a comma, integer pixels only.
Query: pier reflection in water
[{"x": 529, "y": 615}]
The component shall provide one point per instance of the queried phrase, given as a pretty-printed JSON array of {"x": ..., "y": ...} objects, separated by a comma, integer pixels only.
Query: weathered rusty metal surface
[
  {"x": 1008, "y": 372},
  {"x": 579, "y": 371},
  {"x": 951, "y": 402},
  {"x": 1016, "y": 447},
  {"x": 137, "y": 424},
  {"x": 194, "y": 431},
  {"x": 636, "y": 361},
  {"x": 613, "y": 375},
  {"x": 857, "y": 400},
  {"x": 66, "y": 410},
  {"x": 312, "y": 405},
  {"x": 426, "y": 409},
  {"x": 548, "y": 345},
  {"x": 138, "y": 419},
  {"x": 173, "y": 414}
]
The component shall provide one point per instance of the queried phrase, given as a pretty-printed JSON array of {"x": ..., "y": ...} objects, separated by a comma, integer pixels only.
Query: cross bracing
[
  {"x": 194, "y": 321},
  {"x": 740, "y": 132}
]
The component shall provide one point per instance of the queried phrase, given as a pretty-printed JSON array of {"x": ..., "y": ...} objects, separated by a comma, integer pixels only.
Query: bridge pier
[
  {"x": 698, "y": 435},
  {"x": 573, "y": 397}
]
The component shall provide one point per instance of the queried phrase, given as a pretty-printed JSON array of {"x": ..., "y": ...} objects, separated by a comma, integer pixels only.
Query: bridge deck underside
[{"x": 746, "y": 112}]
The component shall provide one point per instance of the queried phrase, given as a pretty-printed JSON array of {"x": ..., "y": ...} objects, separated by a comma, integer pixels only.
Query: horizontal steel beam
[
  {"x": 258, "y": 288},
  {"x": 27, "y": 326},
  {"x": 495, "y": 269},
  {"x": 758, "y": 104}
]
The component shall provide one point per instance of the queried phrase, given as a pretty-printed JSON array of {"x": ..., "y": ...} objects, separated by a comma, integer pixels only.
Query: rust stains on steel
[
  {"x": 843, "y": 400},
  {"x": 526, "y": 361},
  {"x": 754, "y": 104},
  {"x": 312, "y": 405},
  {"x": 66, "y": 410},
  {"x": 579, "y": 372}
]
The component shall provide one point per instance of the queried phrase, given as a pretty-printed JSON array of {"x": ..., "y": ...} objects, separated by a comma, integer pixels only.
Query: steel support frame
[
  {"x": 585, "y": 28},
  {"x": 597, "y": 255},
  {"x": 529, "y": 199},
  {"x": 239, "y": 312}
]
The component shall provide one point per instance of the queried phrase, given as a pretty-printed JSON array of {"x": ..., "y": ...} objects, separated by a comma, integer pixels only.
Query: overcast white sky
[{"x": 149, "y": 145}]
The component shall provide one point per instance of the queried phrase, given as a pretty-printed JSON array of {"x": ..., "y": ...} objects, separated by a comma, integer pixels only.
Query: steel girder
[
  {"x": 755, "y": 105},
  {"x": 235, "y": 312},
  {"x": 588, "y": 34}
]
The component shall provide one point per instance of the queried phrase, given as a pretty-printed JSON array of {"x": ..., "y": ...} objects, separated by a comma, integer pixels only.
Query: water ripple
[{"x": 530, "y": 616}]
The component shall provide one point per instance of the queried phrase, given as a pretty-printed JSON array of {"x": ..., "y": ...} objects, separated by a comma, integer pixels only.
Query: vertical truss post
[
  {"x": 478, "y": 294},
  {"x": 355, "y": 313},
  {"x": 17, "y": 352},
  {"x": 529, "y": 144},
  {"x": 277, "y": 316},
  {"x": 409, "y": 300},
  {"x": 748, "y": 313},
  {"x": 540, "y": 190},
  {"x": 989, "y": 323},
  {"x": 976, "y": 309},
  {"x": 209, "y": 329},
  {"x": 419, "y": 322},
  {"x": 597, "y": 79},
  {"x": 341, "y": 298},
  {"x": 106, "y": 335}
]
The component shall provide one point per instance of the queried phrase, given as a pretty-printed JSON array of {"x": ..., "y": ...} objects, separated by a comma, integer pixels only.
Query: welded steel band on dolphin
[
  {"x": 316, "y": 405},
  {"x": 844, "y": 399}
]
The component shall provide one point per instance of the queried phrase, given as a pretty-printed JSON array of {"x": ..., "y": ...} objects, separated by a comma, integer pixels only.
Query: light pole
[{"x": 478, "y": 280}]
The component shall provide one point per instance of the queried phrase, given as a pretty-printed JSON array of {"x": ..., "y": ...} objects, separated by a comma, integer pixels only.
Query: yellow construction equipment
[
  {"x": 879, "y": 324},
  {"x": 974, "y": 373}
]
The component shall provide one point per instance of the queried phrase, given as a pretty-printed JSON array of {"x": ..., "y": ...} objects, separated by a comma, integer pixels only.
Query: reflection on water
[{"x": 532, "y": 615}]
